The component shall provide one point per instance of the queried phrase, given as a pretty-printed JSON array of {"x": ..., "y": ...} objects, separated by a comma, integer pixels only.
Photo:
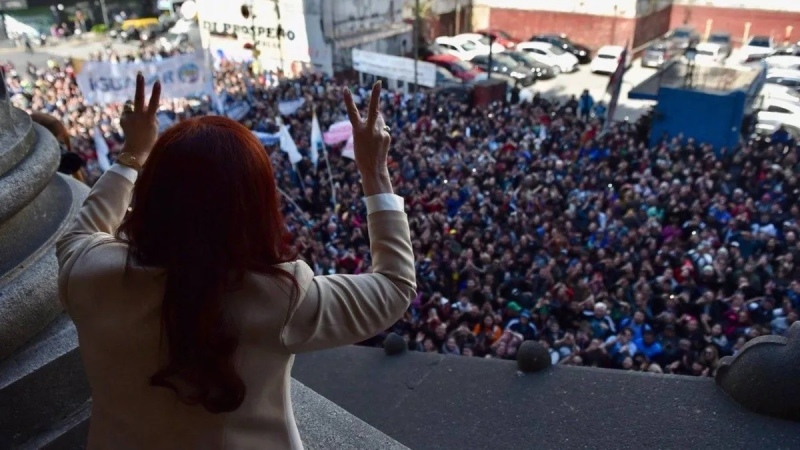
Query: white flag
[
  {"x": 349, "y": 150},
  {"x": 290, "y": 107},
  {"x": 288, "y": 146},
  {"x": 101, "y": 147},
  {"x": 316, "y": 139}
]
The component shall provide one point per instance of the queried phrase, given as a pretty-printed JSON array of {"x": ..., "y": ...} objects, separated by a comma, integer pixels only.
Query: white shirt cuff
[
  {"x": 384, "y": 202},
  {"x": 128, "y": 172}
]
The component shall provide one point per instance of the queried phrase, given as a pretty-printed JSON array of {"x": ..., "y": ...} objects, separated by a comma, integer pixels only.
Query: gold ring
[
  {"x": 387, "y": 129},
  {"x": 128, "y": 107}
]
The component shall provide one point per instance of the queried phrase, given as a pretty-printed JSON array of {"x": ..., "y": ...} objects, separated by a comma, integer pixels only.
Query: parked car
[
  {"x": 500, "y": 37},
  {"x": 709, "y": 54},
  {"x": 427, "y": 50},
  {"x": 723, "y": 39},
  {"x": 541, "y": 70},
  {"x": 607, "y": 59},
  {"x": 505, "y": 65},
  {"x": 776, "y": 112},
  {"x": 657, "y": 54},
  {"x": 460, "y": 69},
  {"x": 783, "y": 62},
  {"x": 581, "y": 52},
  {"x": 778, "y": 92},
  {"x": 757, "y": 47},
  {"x": 561, "y": 60},
  {"x": 788, "y": 50},
  {"x": 463, "y": 50},
  {"x": 784, "y": 77},
  {"x": 768, "y": 128},
  {"x": 481, "y": 42},
  {"x": 683, "y": 37}
]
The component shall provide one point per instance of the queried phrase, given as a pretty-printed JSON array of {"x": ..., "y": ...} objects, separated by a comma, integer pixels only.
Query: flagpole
[
  {"x": 327, "y": 161},
  {"x": 330, "y": 176},
  {"x": 296, "y": 206}
]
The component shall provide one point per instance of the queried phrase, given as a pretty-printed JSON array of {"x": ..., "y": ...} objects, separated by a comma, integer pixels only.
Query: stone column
[{"x": 43, "y": 388}]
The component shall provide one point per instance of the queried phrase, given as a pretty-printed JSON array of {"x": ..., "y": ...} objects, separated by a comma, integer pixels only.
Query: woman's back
[{"x": 197, "y": 353}]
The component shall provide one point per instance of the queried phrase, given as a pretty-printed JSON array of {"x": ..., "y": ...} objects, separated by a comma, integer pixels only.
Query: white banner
[
  {"x": 394, "y": 67},
  {"x": 181, "y": 76}
]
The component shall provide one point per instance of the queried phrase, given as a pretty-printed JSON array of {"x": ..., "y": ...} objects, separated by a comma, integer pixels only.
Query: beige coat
[{"x": 118, "y": 321}]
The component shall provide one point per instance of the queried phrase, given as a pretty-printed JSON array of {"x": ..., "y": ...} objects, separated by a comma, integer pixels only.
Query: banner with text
[
  {"x": 394, "y": 67},
  {"x": 181, "y": 76}
]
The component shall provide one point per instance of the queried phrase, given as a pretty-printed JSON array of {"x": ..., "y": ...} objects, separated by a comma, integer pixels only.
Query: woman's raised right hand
[{"x": 371, "y": 141}]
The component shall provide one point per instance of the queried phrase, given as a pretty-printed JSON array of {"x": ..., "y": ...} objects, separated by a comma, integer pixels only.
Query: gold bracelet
[{"x": 126, "y": 159}]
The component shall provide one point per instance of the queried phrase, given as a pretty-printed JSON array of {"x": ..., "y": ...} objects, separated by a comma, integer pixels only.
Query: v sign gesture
[
  {"x": 371, "y": 141},
  {"x": 139, "y": 122}
]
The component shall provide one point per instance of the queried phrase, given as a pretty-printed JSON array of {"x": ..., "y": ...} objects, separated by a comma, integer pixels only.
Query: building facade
[
  {"x": 296, "y": 36},
  {"x": 615, "y": 22}
]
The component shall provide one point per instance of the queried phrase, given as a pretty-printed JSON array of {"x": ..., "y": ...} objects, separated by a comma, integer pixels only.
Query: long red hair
[{"x": 205, "y": 209}]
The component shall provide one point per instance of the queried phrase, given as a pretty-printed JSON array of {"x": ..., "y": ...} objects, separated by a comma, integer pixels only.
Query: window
[
  {"x": 538, "y": 51},
  {"x": 705, "y": 53},
  {"x": 760, "y": 41},
  {"x": 682, "y": 34},
  {"x": 502, "y": 34},
  {"x": 485, "y": 40},
  {"x": 777, "y": 109},
  {"x": 468, "y": 46},
  {"x": 719, "y": 39},
  {"x": 607, "y": 56},
  {"x": 480, "y": 59},
  {"x": 459, "y": 66},
  {"x": 557, "y": 50}
]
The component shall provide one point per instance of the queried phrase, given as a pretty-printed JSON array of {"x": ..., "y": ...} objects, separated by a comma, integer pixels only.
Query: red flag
[{"x": 615, "y": 86}]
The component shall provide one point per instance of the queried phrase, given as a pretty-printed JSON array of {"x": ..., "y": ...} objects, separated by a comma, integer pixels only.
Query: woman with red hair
[{"x": 182, "y": 281}]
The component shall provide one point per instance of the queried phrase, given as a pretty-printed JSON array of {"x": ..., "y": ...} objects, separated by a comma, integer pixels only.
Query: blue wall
[{"x": 713, "y": 118}]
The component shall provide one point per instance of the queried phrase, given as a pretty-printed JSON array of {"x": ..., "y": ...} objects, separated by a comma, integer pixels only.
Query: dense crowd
[{"x": 528, "y": 223}]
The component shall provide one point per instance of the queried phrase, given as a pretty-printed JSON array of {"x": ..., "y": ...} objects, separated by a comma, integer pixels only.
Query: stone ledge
[
  {"x": 431, "y": 401},
  {"x": 324, "y": 425}
]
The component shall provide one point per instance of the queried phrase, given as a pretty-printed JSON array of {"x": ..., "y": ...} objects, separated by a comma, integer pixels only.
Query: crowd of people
[{"x": 528, "y": 222}]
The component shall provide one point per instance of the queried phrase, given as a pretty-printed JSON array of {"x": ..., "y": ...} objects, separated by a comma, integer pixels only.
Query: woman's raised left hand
[{"x": 139, "y": 123}]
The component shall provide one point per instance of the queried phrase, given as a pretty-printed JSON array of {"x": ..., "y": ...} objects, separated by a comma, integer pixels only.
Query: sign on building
[
  {"x": 279, "y": 32},
  {"x": 394, "y": 67}
]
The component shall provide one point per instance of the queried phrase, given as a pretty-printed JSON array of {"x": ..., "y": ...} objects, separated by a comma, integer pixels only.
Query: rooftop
[{"x": 711, "y": 79}]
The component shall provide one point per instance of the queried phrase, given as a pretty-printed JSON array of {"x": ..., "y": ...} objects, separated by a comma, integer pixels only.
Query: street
[
  {"x": 61, "y": 51},
  {"x": 569, "y": 84}
]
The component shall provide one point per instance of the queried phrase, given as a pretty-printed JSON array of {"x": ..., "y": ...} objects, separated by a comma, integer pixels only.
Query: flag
[
  {"x": 316, "y": 140},
  {"x": 288, "y": 146},
  {"x": 268, "y": 139},
  {"x": 290, "y": 107},
  {"x": 349, "y": 149},
  {"x": 338, "y": 133},
  {"x": 615, "y": 87},
  {"x": 101, "y": 147}
]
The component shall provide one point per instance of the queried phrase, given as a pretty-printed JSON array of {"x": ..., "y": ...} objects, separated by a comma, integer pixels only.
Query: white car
[
  {"x": 607, "y": 58},
  {"x": 480, "y": 41},
  {"x": 546, "y": 53},
  {"x": 774, "y": 112},
  {"x": 783, "y": 62},
  {"x": 709, "y": 54},
  {"x": 463, "y": 50},
  {"x": 777, "y": 92},
  {"x": 784, "y": 77},
  {"x": 757, "y": 46}
]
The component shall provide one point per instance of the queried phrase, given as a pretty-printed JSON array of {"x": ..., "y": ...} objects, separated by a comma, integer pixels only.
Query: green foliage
[{"x": 99, "y": 28}]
